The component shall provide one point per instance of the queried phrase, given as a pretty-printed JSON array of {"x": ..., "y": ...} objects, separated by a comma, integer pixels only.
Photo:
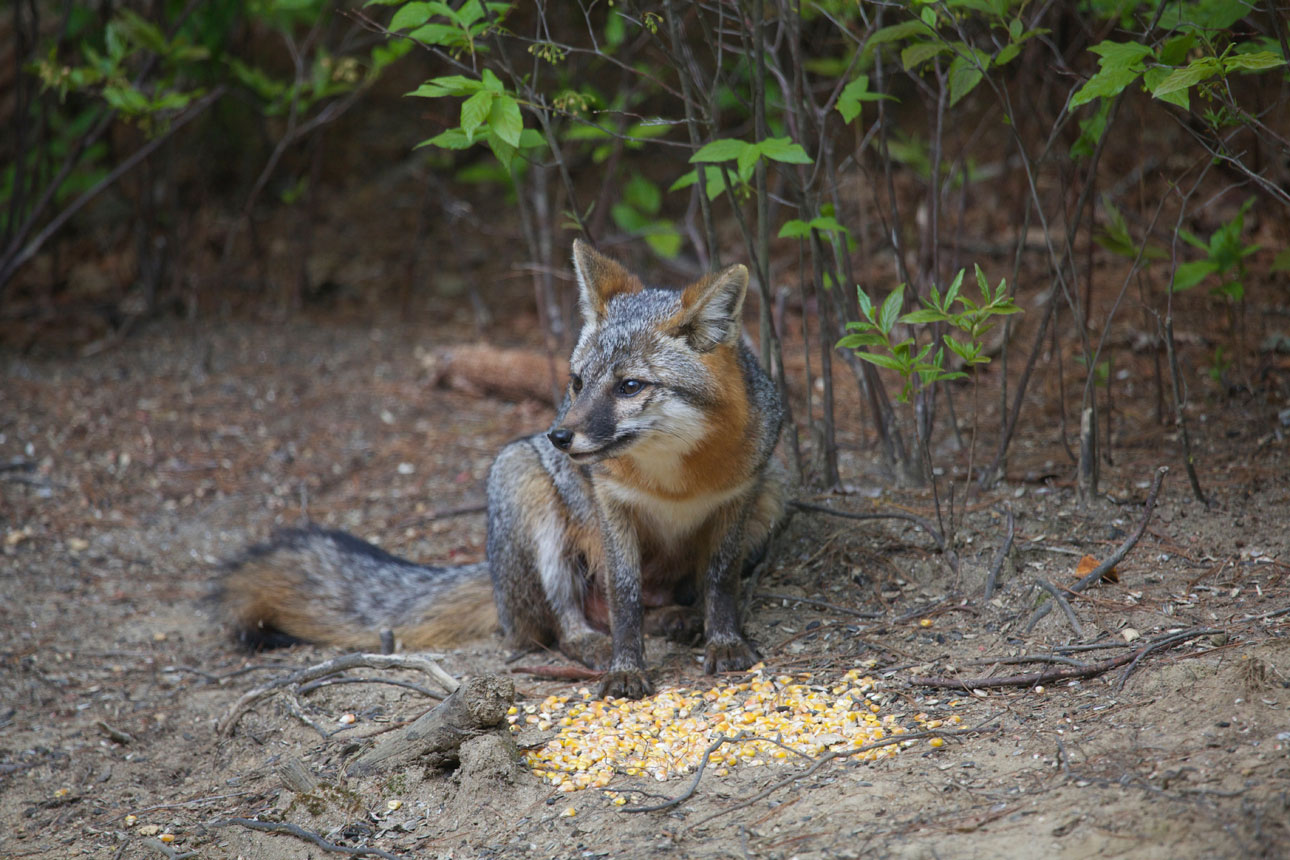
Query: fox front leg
[
  {"x": 727, "y": 650},
  {"x": 626, "y": 677}
]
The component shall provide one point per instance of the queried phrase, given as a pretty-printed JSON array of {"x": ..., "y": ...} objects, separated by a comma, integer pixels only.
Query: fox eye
[
  {"x": 630, "y": 387},
  {"x": 575, "y": 382}
]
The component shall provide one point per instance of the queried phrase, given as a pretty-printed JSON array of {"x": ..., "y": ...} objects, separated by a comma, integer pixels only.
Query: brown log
[
  {"x": 479, "y": 705},
  {"x": 510, "y": 374}
]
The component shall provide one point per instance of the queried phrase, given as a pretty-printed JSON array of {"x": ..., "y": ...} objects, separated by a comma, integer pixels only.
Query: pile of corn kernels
[{"x": 666, "y": 735}]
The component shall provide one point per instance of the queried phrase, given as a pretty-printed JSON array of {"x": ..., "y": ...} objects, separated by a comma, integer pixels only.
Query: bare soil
[{"x": 128, "y": 476}]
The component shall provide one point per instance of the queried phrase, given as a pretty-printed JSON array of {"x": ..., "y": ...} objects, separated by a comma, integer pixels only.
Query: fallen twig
[
  {"x": 1065, "y": 673},
  {"x": 1164, "y": 642},
  {"x": 922, "y": 523},
  {"x": 307, "y": 835},
  {"x": 558, "y": 673},
  {"x": 992, "y": 577},
  {"x": 331, "y": 667},
  {"x": 1096, "y": 574},
  {"x": 823, "y": 604},
  {"x": 171, "y": 853},
  {"x": 477, "y": 706},
  {"x": 1061, "y": 601},
  {"x": 837, "y": 754}
]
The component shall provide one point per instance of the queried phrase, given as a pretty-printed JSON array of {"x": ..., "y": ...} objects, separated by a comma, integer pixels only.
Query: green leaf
[
  {"x": 530, "y": 138},
  {"x": 747, "y": 160},
  {"x": 1281, "y": 262},
  {"x": 448, "y": 85},
  {"x": 913, "y": 56},
  {"x": 1154, "y": 76},
  {"x": 491, "y": 81},
  {"x": 1186, "y": 77},
  {"x": 436, "y": 34},
  {"x": 126, "y": 99},
  {"x": 1119, "y": 66},
  {"x": 923, "y": 315},
  {"x": 503, "y": 150},
  {"x": 1256, "y": 61},
  {"x": 725, "y": 149},
  {"x": 474, "y": 111},
  {"x": 642, "y": 194},
  {"x": 828, "y": 224},
  {"x": 890, "y": 311},
  {"x": 888, "y": 361},
  {"x": 899, "y": 32},
  {"x": 1191, "y": 274},
  {"x": 866, "y": 306},
  {"x": 795, "y": 229},
  {"x": 627, "y": 217},
  {"x": 861, "y": 339},
  {"x": 1192, "y": 239},
  {"x": 966, "y": 71},
  {"x": 664, "y": 239},
  {"x": 685, "y": 180},
  {"x": 410, "y": 15},
  {"x": 143, "y": 33},
  {"x": 783, "y": 149},
  {"x": 453, "y": 138},
  {"x": 1175, "y": 51},
  {"x": 853, "y": 95},
  {"x": 504, "y": 119}
]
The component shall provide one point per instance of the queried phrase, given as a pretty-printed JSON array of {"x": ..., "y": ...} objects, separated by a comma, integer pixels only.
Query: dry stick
[
  {"x": 1085, "y": 670},
  {"x": 720, "y": 741},
  {"x": 836, "y": 754},
  {"x": 992, "y": 578},
  {"x": 1061, "y": 601},
  {"x": 476, "y": 707},
  {"x": 198, "y": 801},
  {"x": 823, "y": 604},
  {"x": 171, "y": 853},
  {"x": 307, "y": 835},
  {"x": 1116, "y": 557},
  {"x": 1162, "y": 643},
  {"x": 1022, "y": 659},
  {"x": 922, "y": 523},
  {"x": 1180, "y": 419},
  {"x": 558, "y": 673},
  {"x": 341, "y": 664},
  {"x": 306, "y": 689}
]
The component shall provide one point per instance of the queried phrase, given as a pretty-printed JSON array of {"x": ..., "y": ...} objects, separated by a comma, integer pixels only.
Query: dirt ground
[{"x": 128, "y": 476}]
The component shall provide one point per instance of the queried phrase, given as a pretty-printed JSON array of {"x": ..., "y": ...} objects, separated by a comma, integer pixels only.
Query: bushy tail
[{"x": 329, "y": 587}]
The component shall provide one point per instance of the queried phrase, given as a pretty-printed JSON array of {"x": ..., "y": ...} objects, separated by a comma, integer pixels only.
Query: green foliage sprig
[{"x": 923, "y": 366}]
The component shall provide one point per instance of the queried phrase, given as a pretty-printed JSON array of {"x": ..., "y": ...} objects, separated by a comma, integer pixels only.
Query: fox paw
[
  {"x": 625, "y": 684},
  {"x": 728, "y": 655},
  {"x": 593, "y": 650},
  {"x": 681, "y": 624}
]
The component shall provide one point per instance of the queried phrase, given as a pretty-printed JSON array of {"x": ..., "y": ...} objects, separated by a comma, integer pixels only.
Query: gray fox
[{"x": 635, "y": 513}]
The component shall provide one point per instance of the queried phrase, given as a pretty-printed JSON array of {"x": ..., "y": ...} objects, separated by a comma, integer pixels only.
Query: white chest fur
[{"x": 670, "y": 521}]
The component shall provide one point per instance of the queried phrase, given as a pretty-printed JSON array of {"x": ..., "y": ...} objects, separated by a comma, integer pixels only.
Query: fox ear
[
  {"x": 711, "y": 309},
  {"x": 599, "y": 280}
]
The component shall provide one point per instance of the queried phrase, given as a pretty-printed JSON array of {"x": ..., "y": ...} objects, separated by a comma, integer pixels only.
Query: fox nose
[{"x": 561, "y": 438}]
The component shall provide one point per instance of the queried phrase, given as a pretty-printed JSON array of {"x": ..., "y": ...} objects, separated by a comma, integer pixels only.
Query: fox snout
[{"x": 561, "y": 437}]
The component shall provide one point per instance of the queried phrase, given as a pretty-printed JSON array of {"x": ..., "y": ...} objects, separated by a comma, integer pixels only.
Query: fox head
[{"x": 654, "y": 370}]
